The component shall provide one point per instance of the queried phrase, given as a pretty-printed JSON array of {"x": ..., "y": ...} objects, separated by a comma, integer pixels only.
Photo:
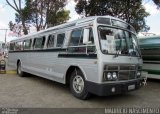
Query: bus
[
  {"x": 150, "y": 49},
  {"x": 94, "y": 55}
]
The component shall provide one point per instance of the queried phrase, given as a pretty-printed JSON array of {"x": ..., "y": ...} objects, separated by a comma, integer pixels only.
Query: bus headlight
[
  {"x": 114, "y": 75},
  {"x": 109, "y": 76},
  {"x": 138, "y": 74}
]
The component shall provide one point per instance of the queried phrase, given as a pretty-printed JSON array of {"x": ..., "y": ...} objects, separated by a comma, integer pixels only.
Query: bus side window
[
  {"x": 39, "y": 43},
  {"x": 50, "y": 43},
  {"x": 76, "y": 37},
  {"x": 60, "y": 39},
  {"x": 18, "y": 46},
  {"x": 11, "y": 46},
  {"x": 27, "y": 44}
]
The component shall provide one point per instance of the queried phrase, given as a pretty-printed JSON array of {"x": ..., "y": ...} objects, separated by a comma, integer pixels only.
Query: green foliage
[
  {"x": 22, "y": 14},
  {"x": 131, "y": 11},
  {"x": 39, "y": 13},
  {"x": 48, "y": 13},
  {"x": 58, "y": 18}
]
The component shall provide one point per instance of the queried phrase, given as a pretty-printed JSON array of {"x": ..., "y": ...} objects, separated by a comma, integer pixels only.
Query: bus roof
[{"x": 68, "y": 24}]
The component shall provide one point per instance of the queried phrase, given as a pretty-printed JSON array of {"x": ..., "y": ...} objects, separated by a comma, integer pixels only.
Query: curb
[{"x": 11, "y": 72}]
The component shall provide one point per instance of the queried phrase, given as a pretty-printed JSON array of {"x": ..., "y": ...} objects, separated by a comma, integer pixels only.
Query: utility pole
[{"x": 5, "y": 35}]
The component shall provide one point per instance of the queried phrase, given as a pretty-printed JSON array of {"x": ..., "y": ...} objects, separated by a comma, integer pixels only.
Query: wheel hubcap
[{"x": 78, "y": 84}]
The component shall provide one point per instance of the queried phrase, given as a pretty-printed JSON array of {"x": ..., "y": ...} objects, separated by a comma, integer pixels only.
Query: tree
[
  {"x": 11, "y": 25},
  {"x": 60, "y": 17},
  {"x": 15, "y": 28},
  {"x": 157, "y": 2},
  {"x": 39, "y": 13},
  {"x": 47, "y": 13},
  {"x": 131, "y": 11},
  {"x": 22, "y": 13}
]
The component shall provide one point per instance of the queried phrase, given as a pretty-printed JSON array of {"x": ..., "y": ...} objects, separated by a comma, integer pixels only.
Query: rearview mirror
[{"x": 86, "y": 36}]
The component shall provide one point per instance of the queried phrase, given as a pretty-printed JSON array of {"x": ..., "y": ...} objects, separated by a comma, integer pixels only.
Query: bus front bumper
[{"x": 113, "y": 88}]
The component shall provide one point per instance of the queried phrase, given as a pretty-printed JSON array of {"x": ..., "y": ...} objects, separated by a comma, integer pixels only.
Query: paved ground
[{"x": 36, "y": 92}]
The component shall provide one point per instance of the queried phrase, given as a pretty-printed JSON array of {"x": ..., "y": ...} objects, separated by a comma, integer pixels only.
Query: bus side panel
[
  {"x": 50, "y": 66},
  {"x": 12, "y": 59},
  {"x": 87, "y": 66}
]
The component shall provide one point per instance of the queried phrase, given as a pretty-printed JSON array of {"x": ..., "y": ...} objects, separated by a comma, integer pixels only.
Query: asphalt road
[{"x": 36, "y": 92}]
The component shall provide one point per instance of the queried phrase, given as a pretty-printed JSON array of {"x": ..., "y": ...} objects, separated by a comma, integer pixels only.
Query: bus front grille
[
  {"x": 126, "y": 75},
  {"x": 124, "y": 72}
]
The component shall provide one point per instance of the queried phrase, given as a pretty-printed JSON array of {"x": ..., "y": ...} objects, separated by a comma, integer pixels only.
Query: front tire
[
  {"x": 78, "y": 85},
  {"x": 19, "y": 70}
]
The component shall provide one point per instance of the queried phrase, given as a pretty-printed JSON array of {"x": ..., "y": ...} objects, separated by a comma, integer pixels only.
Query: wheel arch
[
  {"x": 70, "y": 70},
  {"x": 18, "y": 60}
]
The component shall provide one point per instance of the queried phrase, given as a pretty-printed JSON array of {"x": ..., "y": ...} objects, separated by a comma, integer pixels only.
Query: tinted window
[
  {"x": 11, "y": 47},
  {"x": 60, "y": 39},
  {"x": 39, "y": 43},
  {"x": 76, "y": 37},
  {"x": 50, "y": 41},
  {"x": 104, "y": 21},
  {"x": 27, "y": 44},
  {"x": 122, "y": 24}
]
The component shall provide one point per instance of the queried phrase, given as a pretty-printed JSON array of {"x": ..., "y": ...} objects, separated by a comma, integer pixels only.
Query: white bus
[{"x": 95, "y": 55}]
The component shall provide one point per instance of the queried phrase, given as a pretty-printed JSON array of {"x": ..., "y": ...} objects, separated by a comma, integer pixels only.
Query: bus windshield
[{"x": 118, "y": 41}]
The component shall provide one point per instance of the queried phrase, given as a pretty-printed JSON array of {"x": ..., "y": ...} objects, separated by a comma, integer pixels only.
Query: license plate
[{"x": 131, "y": 87}]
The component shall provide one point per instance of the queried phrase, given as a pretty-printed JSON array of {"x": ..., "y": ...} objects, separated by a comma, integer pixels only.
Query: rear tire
[
  {"x": 78, "y": 85},
  {"x": 19, "y": 70}
]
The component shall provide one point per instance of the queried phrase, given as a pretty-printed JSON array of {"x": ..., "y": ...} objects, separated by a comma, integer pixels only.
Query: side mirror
[{"x": 86, "y": 36}]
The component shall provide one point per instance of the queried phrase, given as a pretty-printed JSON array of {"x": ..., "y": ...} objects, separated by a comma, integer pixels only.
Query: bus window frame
[
  {"x": 29, "y": 46},
  {"x": 85, "y": 46},
  {"x": 87, "y": 27},
  {"x": 48, "y": 37},
  {"x": 21, "y": 46},
  {"x": 57, "y": 39},
  {"x": 80, "y": 28},
  {"x": 13, "y": 46},
  {"x": 43, "y": 42}
]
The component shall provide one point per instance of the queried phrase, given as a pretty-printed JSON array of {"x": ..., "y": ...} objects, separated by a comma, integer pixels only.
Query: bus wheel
[
  {"x": 78, "y": 85},
  {"x": 19, "y": 69}
]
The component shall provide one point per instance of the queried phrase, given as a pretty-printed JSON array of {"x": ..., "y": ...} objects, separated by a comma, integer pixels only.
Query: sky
[{"x": 8, "y": 14}]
